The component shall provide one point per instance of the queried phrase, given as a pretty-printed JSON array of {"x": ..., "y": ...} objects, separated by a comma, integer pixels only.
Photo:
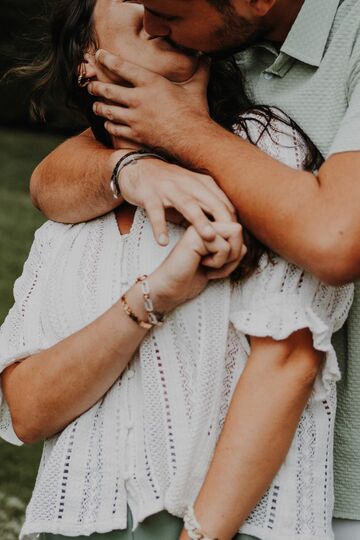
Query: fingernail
[
  {"x": 98, "y": 52},
  {"x": 163, "y": 239},
  {"x": 208, "y": 231}
]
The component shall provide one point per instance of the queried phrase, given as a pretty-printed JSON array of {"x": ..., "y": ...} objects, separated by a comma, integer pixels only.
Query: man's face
[{"x": 198, "y": 25}]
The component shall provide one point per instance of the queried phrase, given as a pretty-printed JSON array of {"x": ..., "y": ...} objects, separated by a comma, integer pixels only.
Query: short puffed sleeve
[
  {"x": 280, "y": 299},
  {"x": 21, "y": 333}
]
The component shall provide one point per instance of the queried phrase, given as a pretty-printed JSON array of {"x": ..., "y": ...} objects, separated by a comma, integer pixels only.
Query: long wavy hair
[{"x": 55, "y": 71}]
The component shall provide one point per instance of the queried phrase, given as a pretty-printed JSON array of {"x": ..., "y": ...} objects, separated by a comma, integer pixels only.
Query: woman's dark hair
[{"x": 56, "y": 70}]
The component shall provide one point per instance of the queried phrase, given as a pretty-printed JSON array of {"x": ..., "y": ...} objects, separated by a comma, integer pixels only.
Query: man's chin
[{"x": 221, "y": 54}]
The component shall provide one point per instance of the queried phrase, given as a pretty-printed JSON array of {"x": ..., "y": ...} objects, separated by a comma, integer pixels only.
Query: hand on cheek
[{"x": 153, "y": 111}]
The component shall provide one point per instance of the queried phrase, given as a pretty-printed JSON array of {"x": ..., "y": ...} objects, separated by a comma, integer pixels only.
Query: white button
[
  {"x": 267, "y": 76},
  {"x": 130, "y": 373}
]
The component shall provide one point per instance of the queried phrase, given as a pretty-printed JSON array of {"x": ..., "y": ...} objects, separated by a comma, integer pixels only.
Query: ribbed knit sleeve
[
  {"x": 280, "y": 298},
  {"x": 21, "y": 333}
]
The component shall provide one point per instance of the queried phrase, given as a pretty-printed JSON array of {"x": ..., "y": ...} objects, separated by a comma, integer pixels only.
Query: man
[{"x": 302, "y": 56}]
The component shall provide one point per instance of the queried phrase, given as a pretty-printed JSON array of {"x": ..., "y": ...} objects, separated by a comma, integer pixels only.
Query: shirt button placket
[
  {"x": 128, "y": 465},
  {"x": 268, "y": 76}
]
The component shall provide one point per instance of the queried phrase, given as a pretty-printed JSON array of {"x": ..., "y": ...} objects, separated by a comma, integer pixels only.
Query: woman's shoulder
[
  {"x": 46, "y": 236},
  {"x": 280, "y": 286}
]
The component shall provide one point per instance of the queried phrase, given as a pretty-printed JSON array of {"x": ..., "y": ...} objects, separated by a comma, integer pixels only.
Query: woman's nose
[{"x": 154, "y": 26}]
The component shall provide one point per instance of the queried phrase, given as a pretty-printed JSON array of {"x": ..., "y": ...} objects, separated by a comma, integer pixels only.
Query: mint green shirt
[{"x": 315, "y": 79}]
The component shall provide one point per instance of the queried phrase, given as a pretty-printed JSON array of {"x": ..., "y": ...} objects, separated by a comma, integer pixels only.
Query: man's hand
[
  {"x": 154, "y": 112},
  {"x": 157, "y": 186}
]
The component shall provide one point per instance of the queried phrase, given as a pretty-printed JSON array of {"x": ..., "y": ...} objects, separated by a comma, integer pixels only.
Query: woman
[{"x": 146, "y": 439}]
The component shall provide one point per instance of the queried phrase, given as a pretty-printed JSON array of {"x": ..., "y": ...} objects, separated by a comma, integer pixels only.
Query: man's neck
[{"x": 281, "y": 18}]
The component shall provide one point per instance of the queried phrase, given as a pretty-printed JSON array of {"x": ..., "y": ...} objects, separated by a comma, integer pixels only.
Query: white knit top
[{"x": 149, "y": 441}]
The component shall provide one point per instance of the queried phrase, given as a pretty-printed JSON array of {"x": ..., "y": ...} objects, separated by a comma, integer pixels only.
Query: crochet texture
[{"x": 149, "y": 441}]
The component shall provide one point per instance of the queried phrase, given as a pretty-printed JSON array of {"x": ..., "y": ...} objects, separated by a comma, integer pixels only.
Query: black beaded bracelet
[
  {"x": 127, "y": 159},
  {"x": 114, "y": 181}
]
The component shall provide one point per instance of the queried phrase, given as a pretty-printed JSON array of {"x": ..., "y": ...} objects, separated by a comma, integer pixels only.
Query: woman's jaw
[{"x": 119, "y": 29}]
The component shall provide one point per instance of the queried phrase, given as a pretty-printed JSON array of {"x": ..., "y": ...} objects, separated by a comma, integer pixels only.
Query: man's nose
[{"x": 154, "y": 26}]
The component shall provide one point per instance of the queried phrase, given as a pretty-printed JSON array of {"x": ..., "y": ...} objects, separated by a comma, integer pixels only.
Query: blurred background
[{"x": 23, "y": 143}]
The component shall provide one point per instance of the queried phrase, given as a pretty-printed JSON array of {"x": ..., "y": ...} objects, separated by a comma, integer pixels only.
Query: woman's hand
[
  {"x": 193, "y": 262},
  {"x": 157, "y": 186}
]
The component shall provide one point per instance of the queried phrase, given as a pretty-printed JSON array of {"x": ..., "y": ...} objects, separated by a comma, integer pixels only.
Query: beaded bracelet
[
  {"x": 154, "y": 318},
  {"x": 193, "y": 527},
  {"x": 131, "y": 314}
]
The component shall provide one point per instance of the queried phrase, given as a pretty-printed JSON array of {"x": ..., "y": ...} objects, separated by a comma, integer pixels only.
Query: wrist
[
  {"x": 184, "y": 535},
  {"x": 114, "y": 158},
  {"x": 203, "y": 129},
  {"x": 145, "y": 303},
  {"x": 162, "y": 296},
  {"x": 215, "y": 524},
  {"x": 135, "y": 299},
  {"x": 194, "y": 529}
]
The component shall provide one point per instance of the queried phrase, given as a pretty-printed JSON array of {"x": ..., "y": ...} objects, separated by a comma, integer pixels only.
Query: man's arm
[
  {"x": 313, "y": 221},
  {"x": 268, "y": 401},
  {"x": 71, "y": 185}
]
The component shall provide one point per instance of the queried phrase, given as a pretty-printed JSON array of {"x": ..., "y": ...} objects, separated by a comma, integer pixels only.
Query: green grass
[
  {"x": 19, "y": 154},
  {"x": 18, "y": 220}
]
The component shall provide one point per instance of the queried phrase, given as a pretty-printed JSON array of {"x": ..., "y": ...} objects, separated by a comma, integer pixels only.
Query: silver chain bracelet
[
  {"x": 154, "y": 317},
  {"x": 193, "y": 527}
]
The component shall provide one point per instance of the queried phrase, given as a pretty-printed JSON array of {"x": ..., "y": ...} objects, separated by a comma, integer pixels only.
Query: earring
[{"x": 83, "y": 81}]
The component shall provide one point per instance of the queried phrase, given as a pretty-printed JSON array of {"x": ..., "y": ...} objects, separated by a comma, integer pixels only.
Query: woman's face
[{"x": 119, "y": 29}]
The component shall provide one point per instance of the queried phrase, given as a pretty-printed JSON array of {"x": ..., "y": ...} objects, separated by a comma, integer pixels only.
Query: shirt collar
[
  {"x": 307, "y": 39},
  {"x": 309, "y": 34}
]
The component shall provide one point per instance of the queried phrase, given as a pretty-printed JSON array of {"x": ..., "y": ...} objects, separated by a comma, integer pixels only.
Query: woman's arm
[
  {"x": 270, "y": 396},
  {"x": 48, "y": 390}
]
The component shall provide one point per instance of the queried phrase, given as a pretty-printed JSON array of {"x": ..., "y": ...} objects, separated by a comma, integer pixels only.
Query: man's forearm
[
  {"x": 309, "y": 220},
  {"x": 72, "y": 183}
]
